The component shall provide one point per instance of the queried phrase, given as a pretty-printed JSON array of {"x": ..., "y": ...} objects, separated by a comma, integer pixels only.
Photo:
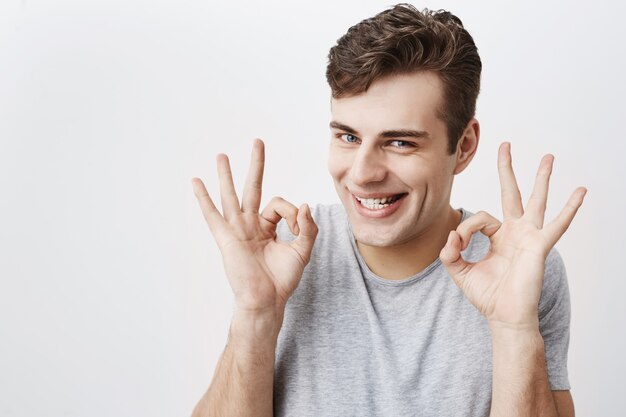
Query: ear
[{"x": 467, "y": 146}]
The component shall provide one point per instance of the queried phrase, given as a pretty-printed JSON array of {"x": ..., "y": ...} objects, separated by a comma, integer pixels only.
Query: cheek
[
  {"x": 411, "y": 171},
  {"x": 338, "y": 163},
  {"x": 419, "y": 175}
]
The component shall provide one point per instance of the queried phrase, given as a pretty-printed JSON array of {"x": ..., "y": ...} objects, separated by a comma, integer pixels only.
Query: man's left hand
[{"x": 505, "y": 286}]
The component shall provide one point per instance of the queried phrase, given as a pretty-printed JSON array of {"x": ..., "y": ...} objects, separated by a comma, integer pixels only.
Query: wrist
[
  {"x": 257, "y": 326},
  {"x": 522, "y": 336},
  {"x": 519, "y": 325}
]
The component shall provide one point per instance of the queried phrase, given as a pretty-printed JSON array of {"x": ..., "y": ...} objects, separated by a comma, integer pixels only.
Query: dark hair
[{"x": 403, "y": 40}]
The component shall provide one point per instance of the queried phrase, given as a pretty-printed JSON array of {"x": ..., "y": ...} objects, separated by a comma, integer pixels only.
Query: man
[{"x": 396, "y": 305}]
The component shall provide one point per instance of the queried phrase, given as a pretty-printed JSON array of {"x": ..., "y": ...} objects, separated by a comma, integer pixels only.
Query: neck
[{"x": 407, "y": 259}]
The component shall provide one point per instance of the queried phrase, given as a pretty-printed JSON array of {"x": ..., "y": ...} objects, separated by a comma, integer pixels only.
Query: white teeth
[{"x": 376, "y": 203}]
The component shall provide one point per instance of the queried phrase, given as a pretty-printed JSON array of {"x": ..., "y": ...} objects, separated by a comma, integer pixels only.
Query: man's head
[
  {"x": 403, "y": 40},
  {"x": 404, "y": 87}
]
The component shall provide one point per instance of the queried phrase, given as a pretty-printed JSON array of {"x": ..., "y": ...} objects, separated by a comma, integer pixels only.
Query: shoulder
[
  {"x": 555, "y": 292},
  {"x": 329, "y": 214},
  {"x": 554, "y": 267}
]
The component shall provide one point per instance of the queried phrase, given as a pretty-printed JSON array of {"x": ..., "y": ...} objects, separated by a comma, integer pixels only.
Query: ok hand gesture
[
  {"x": 506, "y": 285},
  {"x": 262, "y": 271}
]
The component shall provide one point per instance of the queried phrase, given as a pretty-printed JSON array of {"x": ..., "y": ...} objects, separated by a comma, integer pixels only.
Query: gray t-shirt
[{"x": 355, "y": 344}]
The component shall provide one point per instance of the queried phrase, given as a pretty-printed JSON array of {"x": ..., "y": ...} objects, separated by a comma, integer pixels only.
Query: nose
[{"x": 367, "y": 166}]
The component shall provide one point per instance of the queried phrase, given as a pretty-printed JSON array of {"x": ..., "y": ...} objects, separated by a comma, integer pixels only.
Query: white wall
[{"x": 113, "y": 300}]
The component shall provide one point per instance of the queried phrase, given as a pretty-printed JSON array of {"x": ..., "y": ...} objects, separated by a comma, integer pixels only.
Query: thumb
[
  {"x": 451, "y": 258},
  {"x": 303, "y": 244}
]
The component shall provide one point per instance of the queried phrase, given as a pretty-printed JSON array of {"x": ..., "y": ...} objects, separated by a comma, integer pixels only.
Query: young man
[{"x": 395, "y": 306}]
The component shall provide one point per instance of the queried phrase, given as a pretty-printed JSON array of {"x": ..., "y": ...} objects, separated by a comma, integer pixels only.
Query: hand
[
  {"x": 262, "y": 271},
  {"x": 506, "y": 285}
]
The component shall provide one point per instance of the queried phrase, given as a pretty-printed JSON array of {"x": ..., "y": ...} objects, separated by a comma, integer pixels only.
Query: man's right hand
[{"x": 263, "y": 272}]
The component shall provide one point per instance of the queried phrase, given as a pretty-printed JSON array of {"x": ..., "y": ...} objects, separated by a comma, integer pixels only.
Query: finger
[
  {"x": 560, "y": 224},
  {"x": 480, "y": 222},
  {"x": 451, "y": 258},
  {"x": 511, "y": 198},
  {"x": 277, "y": 209},
  {"x": 212, "y": 216},
  {"x": 230, "y": 201},
  {"x": 303, "y": 244},
  {"x": 536, "y": 206},
  {"x": 252, "y": 191}
]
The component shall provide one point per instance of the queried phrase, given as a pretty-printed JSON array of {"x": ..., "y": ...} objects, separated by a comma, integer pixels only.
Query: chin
[{"x": 376, "y": 238}]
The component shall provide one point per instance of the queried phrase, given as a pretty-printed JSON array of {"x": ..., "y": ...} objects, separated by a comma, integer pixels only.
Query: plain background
[{"x": 113, "y": 300}]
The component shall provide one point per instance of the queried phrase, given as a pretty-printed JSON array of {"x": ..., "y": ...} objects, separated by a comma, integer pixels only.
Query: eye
[
  {"x": 346, "y": 137},
  {"x": 402, "y": 144}
]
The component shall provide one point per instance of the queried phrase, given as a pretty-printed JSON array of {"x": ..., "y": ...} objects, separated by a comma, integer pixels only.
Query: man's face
[{"x": 388, "y": 143}]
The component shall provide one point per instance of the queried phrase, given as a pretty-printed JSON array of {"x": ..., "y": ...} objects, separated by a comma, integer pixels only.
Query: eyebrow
[{"x": 395, "y": 133}]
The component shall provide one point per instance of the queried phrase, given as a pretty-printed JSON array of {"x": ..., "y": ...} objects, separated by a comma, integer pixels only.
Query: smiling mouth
[{"x": 379, "y": 203}]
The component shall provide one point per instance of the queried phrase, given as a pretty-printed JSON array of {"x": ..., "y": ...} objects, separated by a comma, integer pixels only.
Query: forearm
[
  {"x": 520, "y": 380},
  {"x": 244, "y": 377}
]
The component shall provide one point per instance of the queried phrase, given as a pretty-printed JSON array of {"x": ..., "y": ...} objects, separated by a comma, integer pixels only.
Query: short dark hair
[{"x": 404, "y": 40}]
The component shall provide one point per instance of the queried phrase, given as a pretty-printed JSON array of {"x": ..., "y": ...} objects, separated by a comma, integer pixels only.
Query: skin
[
  {"x": 263, "y": 273},
  {"x": 363, "y": 161},
  {"x": 505, "y": 286}
]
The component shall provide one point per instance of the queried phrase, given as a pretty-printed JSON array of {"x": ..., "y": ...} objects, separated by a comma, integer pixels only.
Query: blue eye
[
  {"x": 346, "y": 137},
  {"x": 401, "y": 144}
]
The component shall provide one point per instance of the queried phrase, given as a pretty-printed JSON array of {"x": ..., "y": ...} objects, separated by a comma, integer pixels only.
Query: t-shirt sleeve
[{"x": 554, "y": 320}]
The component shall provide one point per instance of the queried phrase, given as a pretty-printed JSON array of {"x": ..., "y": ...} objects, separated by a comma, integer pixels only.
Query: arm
[
  {"x": 548, "y": 352},
  {"x": 506, "y": 287},
  {"x": 263, "y": 273},
  {"x": 564, "y": 403},
  {"x": 520, "y": 378},
  {"x": 244, "y": 376}
]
